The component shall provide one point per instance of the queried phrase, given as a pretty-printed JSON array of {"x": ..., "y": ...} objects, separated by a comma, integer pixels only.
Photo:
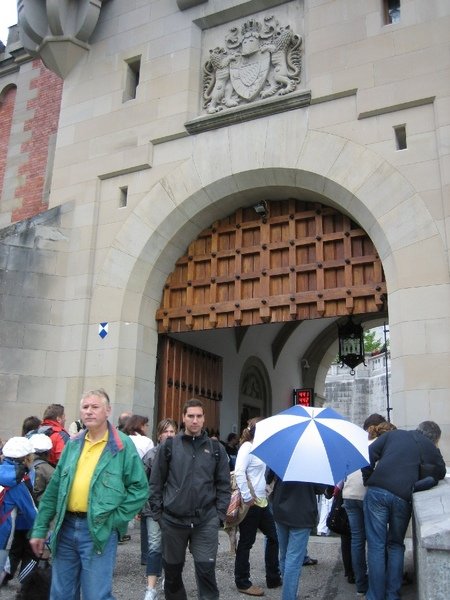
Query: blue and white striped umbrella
[{"x": 306, "y": 443}]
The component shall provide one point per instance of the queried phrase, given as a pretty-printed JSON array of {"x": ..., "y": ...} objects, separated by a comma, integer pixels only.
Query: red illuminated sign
[{"x": 303, "y": 396}]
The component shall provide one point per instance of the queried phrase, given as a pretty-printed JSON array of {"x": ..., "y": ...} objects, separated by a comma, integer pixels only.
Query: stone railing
[{"x": 431, "y": 539}]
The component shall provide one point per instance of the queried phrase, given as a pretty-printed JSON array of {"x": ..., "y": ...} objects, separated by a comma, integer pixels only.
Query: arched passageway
[{"x": 291, "y": 262}]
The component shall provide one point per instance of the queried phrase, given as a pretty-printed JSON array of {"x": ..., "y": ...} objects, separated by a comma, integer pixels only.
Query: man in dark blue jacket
[
  {"x": 294, "y": 506},
  {"x": 395, "y": 460}
]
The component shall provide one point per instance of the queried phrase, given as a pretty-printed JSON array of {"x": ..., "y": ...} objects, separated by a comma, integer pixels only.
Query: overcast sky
[{"x": 8, "y": 17}]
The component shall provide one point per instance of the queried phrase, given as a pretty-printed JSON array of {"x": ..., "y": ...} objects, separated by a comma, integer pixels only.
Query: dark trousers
[
  {"x": 203, "y": 540},
  {"x": 20, "y": 552},
  {"x": 144, "y": 539},
  {"x": 262, "y": 519},
  {"x": 346, "y": 550}
]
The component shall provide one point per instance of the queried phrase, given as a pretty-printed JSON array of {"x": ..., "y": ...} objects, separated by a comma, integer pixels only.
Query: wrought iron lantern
[{"x": 351, "y": 345}]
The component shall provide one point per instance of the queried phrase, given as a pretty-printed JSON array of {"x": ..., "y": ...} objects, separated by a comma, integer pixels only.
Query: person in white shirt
[
  {"x": 250, "y": 478},
  {"x": 137, "y": 428}
]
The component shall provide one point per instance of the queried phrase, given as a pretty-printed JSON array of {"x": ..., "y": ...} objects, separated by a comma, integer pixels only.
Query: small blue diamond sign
[{"x": 103, "y": 330}]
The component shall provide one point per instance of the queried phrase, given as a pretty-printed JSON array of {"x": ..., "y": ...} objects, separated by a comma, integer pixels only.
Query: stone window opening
[
  {"x": 132, "y": 78},
  {"x": 400, "y": 137},
  {"x": 391, "y": 9},
  {"x": 123, "y": 199}
]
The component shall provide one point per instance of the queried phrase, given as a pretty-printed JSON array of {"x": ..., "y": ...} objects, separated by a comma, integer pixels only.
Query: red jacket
[{"x": 59, "y": 437}]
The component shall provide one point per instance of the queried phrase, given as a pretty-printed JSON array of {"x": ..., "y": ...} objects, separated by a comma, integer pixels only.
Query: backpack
[
  {"x": 80, "y": 425},
  {"x": 45, "y": 429},
  {"x": 3, "y": 490}
]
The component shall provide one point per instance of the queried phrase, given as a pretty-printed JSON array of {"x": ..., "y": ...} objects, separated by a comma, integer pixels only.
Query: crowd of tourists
[{"x": 67, "y": 498}]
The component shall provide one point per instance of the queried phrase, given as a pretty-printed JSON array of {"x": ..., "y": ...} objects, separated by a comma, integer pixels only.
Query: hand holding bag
[
  {"x": 237, "y": 508},
  {"x": 337, "y": 520}
]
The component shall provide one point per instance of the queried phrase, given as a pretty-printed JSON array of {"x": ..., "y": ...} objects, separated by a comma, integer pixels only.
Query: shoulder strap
[
  {"x": 168, "y": 445},
  {"x": 46, "y": 429},
  {"x": 215, "y": 449}
]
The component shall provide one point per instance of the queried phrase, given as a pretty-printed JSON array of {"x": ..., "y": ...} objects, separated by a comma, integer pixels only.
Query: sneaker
[{"x": 151, "y": 594}]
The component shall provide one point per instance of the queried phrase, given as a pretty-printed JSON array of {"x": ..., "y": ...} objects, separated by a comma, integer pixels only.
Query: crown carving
[{"x": 250, "y": 27}]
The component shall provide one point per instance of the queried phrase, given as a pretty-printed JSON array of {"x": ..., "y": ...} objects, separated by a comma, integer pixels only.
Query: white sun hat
[
  {"x": 17, "y": 447},
  {"x": 41, "y": 442}
]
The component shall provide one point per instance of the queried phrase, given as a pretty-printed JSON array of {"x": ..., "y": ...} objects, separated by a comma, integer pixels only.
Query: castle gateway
[{"x": 196, "y": 193}]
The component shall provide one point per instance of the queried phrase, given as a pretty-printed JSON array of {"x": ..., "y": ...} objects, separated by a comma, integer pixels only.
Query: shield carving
[{"x": 249, "y": 73}]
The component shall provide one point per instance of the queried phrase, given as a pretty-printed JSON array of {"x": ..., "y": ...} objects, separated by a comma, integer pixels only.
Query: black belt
[{"x": 77, "y": 515}]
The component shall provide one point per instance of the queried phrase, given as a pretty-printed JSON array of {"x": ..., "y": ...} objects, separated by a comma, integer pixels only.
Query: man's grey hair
[
  {"x": 431, "y": 430},
  {"x": 100, "y": 393}
]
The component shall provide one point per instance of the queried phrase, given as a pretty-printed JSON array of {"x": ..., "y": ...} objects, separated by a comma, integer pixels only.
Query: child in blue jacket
[{"x": 17, "y": 511}]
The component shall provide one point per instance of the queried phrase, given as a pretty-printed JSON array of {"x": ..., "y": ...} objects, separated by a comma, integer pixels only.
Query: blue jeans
[
  {"x": 154, "y": 552},
  {"x": 355, "y": 513},
  {"x": 77, "y": 566},
  {"x": 386, "y": 517},
  {"x": 293, "y": 544}
]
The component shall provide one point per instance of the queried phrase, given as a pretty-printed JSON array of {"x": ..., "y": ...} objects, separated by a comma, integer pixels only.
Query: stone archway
[{"x": 235, "y": 168}]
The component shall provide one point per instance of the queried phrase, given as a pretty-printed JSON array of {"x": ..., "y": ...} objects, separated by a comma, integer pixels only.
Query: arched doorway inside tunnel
[
  {"x": 254, "y": 392},
  {"x": 298, "y": 262}
]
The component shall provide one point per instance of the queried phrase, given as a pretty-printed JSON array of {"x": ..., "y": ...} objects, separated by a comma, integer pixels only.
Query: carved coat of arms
[{"x": 259, "y": 60}]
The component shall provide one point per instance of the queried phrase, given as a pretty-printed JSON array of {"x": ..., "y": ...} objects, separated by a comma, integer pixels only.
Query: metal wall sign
[{"x": 303, "y": 396}]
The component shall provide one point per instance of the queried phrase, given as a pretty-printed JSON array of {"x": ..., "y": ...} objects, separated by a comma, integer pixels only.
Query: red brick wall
[
  {"x": 6, "y": 114},
  {"x": 42, "y": 125}
]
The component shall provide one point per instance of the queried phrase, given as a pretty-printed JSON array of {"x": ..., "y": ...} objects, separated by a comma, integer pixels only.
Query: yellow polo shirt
[{"x": 89, "y": 457}]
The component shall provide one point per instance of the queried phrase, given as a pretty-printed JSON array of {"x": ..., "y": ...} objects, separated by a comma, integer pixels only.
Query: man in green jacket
[{"x": 98, "y": 486}]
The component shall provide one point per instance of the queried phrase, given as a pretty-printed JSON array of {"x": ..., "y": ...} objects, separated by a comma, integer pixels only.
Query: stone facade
[
  {"x": 138, "y": 178},
  {"x": 359, "y": 395}
]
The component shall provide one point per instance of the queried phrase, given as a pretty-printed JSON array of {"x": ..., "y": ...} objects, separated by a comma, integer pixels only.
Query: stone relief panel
[{"x": 259, "y": 59}]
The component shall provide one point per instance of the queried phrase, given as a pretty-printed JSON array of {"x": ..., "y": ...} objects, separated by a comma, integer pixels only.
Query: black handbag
[{"x": 337, "y": 520}]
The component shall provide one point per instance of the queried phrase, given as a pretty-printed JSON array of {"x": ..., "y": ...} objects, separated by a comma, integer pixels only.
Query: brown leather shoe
[{"x": 253, "y": 590}]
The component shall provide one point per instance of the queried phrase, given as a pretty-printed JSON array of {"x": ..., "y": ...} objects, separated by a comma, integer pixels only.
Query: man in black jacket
[
  {"x": 189, "y": 496},
  {"x": 387, "y": 505}
]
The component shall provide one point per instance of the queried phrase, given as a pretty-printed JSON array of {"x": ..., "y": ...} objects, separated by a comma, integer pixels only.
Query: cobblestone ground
[{"x": 324, "y": 581}]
